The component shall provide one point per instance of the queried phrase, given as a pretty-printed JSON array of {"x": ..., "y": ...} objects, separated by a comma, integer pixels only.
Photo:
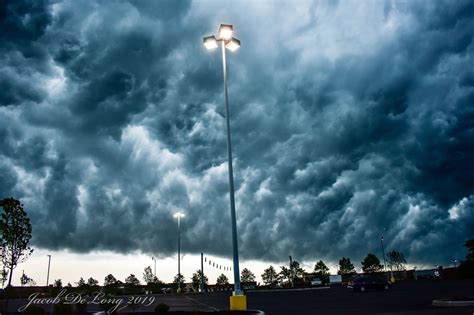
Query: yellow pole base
[
  {"x": 178, "y": 290},
  {"x": 392, "y": 279},
  {"x": 238, "y": 303}
]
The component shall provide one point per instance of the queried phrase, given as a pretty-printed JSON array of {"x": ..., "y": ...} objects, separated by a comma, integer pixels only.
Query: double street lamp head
[
  {"x": 225, "y": 36},
  {"x": 179, "y": 215}
]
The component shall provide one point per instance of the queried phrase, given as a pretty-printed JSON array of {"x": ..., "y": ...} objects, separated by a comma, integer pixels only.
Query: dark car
[{"x": 363, "y": 284}]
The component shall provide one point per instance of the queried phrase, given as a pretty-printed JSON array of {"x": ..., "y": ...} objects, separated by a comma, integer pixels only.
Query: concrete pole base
[{"x": 238, "y": 303}]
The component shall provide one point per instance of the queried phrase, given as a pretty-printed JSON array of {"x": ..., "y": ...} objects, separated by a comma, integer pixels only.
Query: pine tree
[{"x": 247, "y": 276}]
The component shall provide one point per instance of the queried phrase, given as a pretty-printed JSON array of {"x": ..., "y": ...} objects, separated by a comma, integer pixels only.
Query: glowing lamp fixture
[
  {"x": 224, "y": 36},
  {"x": 210, "y": 42},
  {"x": 233, "y": 44},
  {"x": 179, "y": 215},
  {"x": 226, "y": 31}
]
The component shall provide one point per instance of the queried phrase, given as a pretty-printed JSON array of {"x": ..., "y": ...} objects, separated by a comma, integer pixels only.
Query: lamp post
[
  {"x": 201, "y": 287},
  {"x": 392, "y": 278},
  {"x": 154, "y": 259},
  {"x": 49, "y": 265},
  {"x": 225, "y": 32},
  {"x": 179, "y": 215},
  {"x": 383, "y": 253},
  {"x": 227, "y": 41},
  {"x": 291, "y": 271}
]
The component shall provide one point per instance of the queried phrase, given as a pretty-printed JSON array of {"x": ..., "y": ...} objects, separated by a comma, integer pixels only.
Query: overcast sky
[{"x": 350, "y": 119}]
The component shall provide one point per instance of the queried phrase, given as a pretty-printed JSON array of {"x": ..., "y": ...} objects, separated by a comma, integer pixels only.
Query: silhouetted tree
[
  {"x": 15, "y": 232},
  {"x": 148, "y": 275},
  {"x": 81, "y": 283},
  {"x": 284, "y": 274},
  {"x": 293, "y": 275},
  {"x": 109, "y": 280},
  {"x": 92, "y": 282},
  {"x": 270, "y": 276},
  {"x": 346, "y": 267},
  {"x": 132, "y": 280},
  {"x": 25, "y": 280},
  {"x": 371, "y": 264},
  {"x": 58, "y": 283},
  {"x": 180, "y": 277},
  {"x": 396, "y": 259},
  {"x": 196, "y": 279},
  {"x": 222, "y": 280},
  {"x": 247, "y": 276},
  {"x": 4, "y": 276},
  {"x": 467, "y": 267},
  {"x": 322, "y": 271},
  {"x": 296, "y": 272},
  {"x": 470, "y": 248},
  {"x": 150, "y": 278}
]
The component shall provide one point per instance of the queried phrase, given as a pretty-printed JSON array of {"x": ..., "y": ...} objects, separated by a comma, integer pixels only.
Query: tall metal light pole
[
  {"x": 179, "y": 215},
  {"x": 202, "y": 273},
  {"x": 238, "y": 300},
  {"x": 49, "y": 265},
  {"x": 291, "y": 271},
  {"x": 227, "y": 41},
  {"x": 383, "y": 253}
]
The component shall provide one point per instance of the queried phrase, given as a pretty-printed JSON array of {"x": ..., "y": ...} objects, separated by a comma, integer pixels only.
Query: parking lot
[
  {"x": 406, "y": 297},
  {"x": 410, "y": 297}
]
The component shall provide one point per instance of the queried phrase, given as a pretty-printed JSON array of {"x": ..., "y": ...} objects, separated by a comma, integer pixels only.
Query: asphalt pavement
[{"x": 406, "y": 297}]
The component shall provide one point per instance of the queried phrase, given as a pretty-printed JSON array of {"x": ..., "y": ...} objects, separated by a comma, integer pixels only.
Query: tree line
[
  {"x": 294, "y": 274},
  {"x": 16, "y": 232}
]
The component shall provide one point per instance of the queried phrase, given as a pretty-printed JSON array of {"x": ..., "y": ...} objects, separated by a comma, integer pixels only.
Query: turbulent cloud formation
[{"x": 350, "y": 120}]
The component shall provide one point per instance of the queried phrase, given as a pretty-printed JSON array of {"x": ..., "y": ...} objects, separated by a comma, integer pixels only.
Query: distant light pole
[
  {"x": 179, "y": 215},
  {"x": 291, "y": 271},
  {"x": 383, "y": 253},
  {"x": 227, "y": 41},
  {"x": 202, "y": 273},
  {"x": 154, "y": 259},
  {"x": 49, "y": 265}
]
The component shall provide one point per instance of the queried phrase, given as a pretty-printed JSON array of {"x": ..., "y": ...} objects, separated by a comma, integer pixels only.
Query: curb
[{"x": 446, "y": 303}]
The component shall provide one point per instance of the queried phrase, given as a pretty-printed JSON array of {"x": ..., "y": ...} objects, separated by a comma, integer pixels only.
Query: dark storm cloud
[{"x": 112, "y": 118}]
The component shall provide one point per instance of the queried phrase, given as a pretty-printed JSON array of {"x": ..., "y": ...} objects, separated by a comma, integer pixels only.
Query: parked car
[
  {"x": 335, "y": 279},
  {"x": 316, "y": 282},
  {"x": 363, "y": 284},
  {"x": 426, "y": 274}
]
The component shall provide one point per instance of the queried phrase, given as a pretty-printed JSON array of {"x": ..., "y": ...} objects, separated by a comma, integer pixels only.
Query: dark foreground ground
[
  {"x": 413, "y": 297},
  {"x": 409, "y": 297}
]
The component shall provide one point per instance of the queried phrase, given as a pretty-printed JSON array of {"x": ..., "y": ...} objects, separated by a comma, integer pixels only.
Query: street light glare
[
  {"x": 179, "y": 215},
  {"x": 210, "y": 42},
  {"x": 226, "y": 31},
  {"x": 233, "y": 44}
]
